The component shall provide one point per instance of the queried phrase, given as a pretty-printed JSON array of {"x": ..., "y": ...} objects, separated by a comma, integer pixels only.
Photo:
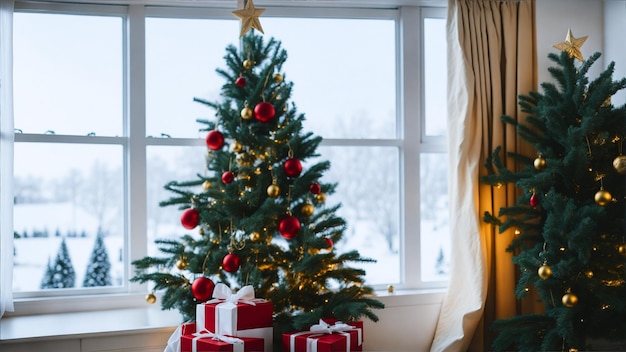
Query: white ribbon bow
[
  {"x": 223, "y": 293},
  {"x": 325, "y": 328}
]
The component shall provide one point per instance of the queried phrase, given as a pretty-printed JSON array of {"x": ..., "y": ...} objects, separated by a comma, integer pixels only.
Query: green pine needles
[
  {"x": 570, "y": 213},
  {"x": 256, "y": 216}
]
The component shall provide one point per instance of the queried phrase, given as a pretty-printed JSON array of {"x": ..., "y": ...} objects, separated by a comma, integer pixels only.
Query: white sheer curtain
[
  {"x": 6, "y": 156},
  {"x": 491, "y": 60}
]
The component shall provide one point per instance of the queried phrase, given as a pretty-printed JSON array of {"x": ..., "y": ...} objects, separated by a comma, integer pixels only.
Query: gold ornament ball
[
  {"x": 255, "y": 236},
  {"x": 390, "y": 288},
  {"x": 603, "y": 197},
  {"x": 321, "y": 197},
  {"x": 619, "y": 164},
  {"x": 273, "y": 190},
  {"x": 246, "y": 113},
  {"x": 307, "y": 209},
  {"x": 539, "y": 163},
  {"x": 621, "y": 249},
  {"x": 236, "y": 147},
  {"x": 544, "y": 272},
  {"x": 569, "y": 300},
  {"x": 181, "y": 264},
  {"x": 244, "y": 159},
  {"x": 589, "y": 274},
  {"x": 278, "y": 78},
  {"x": 206, "y": 185},
  {"x": 247, "y": 64},
  {"x": 151, "y": 298}
]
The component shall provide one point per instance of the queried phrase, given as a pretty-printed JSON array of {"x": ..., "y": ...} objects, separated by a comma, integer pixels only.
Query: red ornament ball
[
  {"x": 240, "y": 81},
  {"x": 215, "y": 140},
  {"x": 289, "y": 226},
  {"x": 202, "y": 288},
  {"x": 292, "y": 167},
  {"x": 534, "y": 200},
  {"x": 329, "y": 242},
  {"x": 228, "y": 177},
  {"x": 190, "y": 218},
  {"x": 264, "y": 111},
  {"x": 315, "y": 188},
  {"x": 230, "y": 263}
]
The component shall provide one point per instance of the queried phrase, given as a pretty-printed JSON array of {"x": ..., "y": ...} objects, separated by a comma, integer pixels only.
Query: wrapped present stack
[
  {"x": 239, "y": 322},
  {"x": 327, "y": 336},
  {"x": 236, "y": 322}
]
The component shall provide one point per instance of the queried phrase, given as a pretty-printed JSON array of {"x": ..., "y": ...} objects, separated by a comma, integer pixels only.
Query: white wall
[
  {"x": 614, "y": 42},
  {"x": 555, "y": 17}
]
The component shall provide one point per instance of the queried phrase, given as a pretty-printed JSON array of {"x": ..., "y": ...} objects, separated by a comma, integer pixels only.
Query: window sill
[{"x": 78, "y": 325}]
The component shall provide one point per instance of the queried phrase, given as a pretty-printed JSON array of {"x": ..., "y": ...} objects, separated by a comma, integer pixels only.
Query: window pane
[
  {"x": 344, "y": 74},
  {"x": 368, "y": 189},
  {"x": 56, "y": 200},
  {"x": 435, "y": 76},
  {"x": 434, "y": 225},
  {"x": 181, "y": 58},
  {"x": 166, "y": 164},
  {"x": 68, "y": 74}
]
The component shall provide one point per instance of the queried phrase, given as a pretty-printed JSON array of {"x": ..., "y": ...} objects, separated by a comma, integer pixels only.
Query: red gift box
[
  {"x": 192, "y": 341},
  {"x": 324, "y": 337},
  {"x": 239, "y": 315},
  {"x": 188, "y": 328}
]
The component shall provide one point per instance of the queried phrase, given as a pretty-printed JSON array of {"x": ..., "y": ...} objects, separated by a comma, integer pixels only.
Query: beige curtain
[{"x": 491, "y": 60}]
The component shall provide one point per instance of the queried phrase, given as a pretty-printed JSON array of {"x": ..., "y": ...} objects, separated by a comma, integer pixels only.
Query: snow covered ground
[{"x": 32, "y": 254}]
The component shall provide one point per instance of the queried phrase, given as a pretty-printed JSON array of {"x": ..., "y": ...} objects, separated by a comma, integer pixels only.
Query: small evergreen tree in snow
[
  {"x": 46, "y": 281},
  {"x": 99, "y": 268},
  {"x": 61, "y": 273},
  {"x": 442, "y": 266}
]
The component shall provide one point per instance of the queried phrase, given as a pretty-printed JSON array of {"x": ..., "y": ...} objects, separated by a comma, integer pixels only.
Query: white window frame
[{"x": 410, "y": 140}]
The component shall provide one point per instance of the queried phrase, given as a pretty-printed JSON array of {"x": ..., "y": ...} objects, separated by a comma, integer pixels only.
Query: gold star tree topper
[
  {"x": 572, "y": 45},
  {"x": 249, "y": 16}
]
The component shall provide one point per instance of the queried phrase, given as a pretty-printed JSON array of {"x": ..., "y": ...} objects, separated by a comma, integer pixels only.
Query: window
[
  {"x": 69, "y": 152},
  {"x": 104, "y": 118}
]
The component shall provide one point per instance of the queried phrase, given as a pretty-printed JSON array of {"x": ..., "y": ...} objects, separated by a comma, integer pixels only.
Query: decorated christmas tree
[
  {"x": 570, "y": 215},
  {"x": 257, "y": 213}
]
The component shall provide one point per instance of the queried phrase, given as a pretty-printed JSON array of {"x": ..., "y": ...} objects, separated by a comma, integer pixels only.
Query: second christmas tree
[{"x": 570, "y": 216}]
